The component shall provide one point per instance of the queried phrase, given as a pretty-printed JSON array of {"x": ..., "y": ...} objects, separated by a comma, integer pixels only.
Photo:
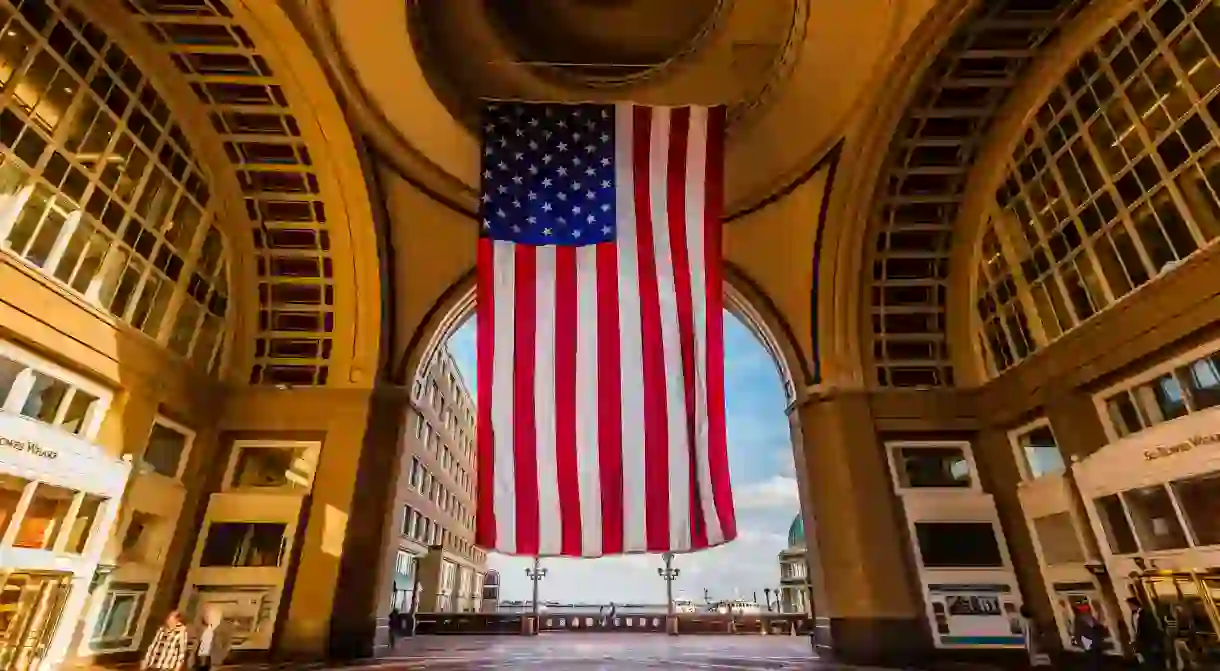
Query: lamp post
[
  {"x": 669, "y": 574},
  {"x": 536, "y": 574},
  {"x": 767, "y": 596}
]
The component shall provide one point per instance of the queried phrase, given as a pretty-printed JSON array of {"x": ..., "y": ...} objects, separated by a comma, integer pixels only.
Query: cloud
[{"x": 776, "y": 492}]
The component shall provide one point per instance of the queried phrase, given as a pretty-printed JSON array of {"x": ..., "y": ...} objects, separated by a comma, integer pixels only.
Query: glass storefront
[{"x": 31, "y": 604}]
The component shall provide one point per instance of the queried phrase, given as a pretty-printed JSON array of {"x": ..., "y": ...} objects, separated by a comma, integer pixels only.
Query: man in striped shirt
[{"x": 171, "y": 647}]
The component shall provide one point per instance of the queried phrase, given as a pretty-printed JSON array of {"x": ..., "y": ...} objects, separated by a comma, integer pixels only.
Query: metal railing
[{"x": 556, "y": 622}]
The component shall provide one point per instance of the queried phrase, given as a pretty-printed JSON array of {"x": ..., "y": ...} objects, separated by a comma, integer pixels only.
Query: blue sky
[{"x": 764, "y": 487}]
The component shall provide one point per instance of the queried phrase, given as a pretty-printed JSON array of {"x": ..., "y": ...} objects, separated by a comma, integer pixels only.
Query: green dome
[{"x": 796, "y": 532}]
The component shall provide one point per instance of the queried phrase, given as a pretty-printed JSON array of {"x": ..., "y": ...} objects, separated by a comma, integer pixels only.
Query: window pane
[
  {"x": 83, "y": 526},
  {"x": 164, "y": 451},
  {"x": 1156, "y": 522},
  {"x": 1123, "y": 413},
  {"x": 9, "y": 370},
  {"x": 1204, "y": 379},
  {"x": 1161, "y": 399},
  {"x": 45, "y": 517},
  {"x": 11, "y": 489},
  {"x": 274, "y": 467},
  {"x": 243, "y": 544},
  {"x": 1200, "y": 501},
  {"x": 1058, "y": 539},
  {"x": 45, "y": 397},
  {"x": 1042, "y": 455},
  {"x": 958, "y": 544},
  {"x": 1114, "y": 523},
  {"x": 78, "y": 411}
]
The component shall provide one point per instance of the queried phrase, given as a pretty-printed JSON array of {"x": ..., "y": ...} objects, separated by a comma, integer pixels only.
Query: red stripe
[
  {"x": 656, "y": 430},
  {"x": 485, "y": 334},
  {"x": 609, "y": 399},
  {"x": 525, "y": 446},
  {"x": 718, "y": 458},
  {"x": 567, "y": 468},
  {"x": 679, "y": 132}
]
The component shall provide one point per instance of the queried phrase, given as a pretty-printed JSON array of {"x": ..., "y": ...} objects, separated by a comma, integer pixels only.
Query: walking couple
[{"x": 176, "y": 648}]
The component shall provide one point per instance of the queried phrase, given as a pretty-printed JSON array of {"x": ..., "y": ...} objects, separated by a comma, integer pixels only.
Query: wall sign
[
  {"x": 1184, "y": 446},
  {"x": 29, "y": 447}
]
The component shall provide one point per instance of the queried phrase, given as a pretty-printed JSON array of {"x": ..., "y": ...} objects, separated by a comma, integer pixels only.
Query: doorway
[{"x": 30, "y": 607}]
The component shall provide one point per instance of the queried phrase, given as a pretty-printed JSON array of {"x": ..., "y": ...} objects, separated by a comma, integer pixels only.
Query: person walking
[
  {"x": 1148, "y": 639},
  {"x": 215, "y": 640},
  {"x": 1092, "y": 636},
  {"x": 171, "y": 647}
]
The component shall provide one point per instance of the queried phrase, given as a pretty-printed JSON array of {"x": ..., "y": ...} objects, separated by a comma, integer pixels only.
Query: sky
[{"x": 764, "y": 492}]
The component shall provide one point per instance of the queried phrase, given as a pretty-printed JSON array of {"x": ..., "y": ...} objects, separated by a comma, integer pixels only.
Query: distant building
[
  {"x": 491, "y": 591},
  {"x": 794, "y": 571}
]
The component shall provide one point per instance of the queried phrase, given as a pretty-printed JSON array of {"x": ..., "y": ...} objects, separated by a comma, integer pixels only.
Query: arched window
[
  {"x": 1114, "y": 183},
  {"x": 98, "y": 187}
]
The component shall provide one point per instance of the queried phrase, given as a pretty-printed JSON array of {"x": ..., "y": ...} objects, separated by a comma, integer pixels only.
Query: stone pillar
[
  {"x": 360, "y": 618},
  {"x": 864, "y": 596},
  {"x": 1000, "y": 474}
]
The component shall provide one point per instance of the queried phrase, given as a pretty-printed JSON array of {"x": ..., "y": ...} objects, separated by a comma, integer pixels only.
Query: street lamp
[
  {"x": 536, "y": 574},
  {"x": 767, "y": 596},
  {"x": 669, "y": 575}
]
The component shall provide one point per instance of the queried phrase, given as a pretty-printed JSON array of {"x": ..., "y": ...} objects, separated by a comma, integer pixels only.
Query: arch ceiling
[
  {"x": 792, "y": 72},
  {"x": 304, "y": 198},
  {"x": 923, "y": 184}
]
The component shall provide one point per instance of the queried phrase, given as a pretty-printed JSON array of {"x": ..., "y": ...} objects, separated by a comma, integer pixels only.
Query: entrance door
[{"x": 30, "y": 607}]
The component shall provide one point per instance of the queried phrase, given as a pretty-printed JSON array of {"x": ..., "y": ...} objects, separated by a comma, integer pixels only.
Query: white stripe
[
  {"x": 678, "y": 473},
  {"x": 630, "y": 348},
  {"x": 550, "y": 525},
  {"x": 504, "y": 497},
  {"x": 587, "y": 461},
  {"x": 696, "y": 192}
]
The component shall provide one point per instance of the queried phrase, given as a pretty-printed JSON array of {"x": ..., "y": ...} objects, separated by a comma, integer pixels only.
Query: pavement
[{"x": 589, "y": 652}]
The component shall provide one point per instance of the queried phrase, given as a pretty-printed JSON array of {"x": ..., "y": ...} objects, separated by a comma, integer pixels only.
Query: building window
[
  {"x": 244, "y": 544},
  {"x": 169, "y": 446},
  {"x": 1115, "y": 525},
  {"x": 1154, "y": 518},
  {"x": 1199, "y": 498},
  {"x": 49, "y": 394},
  {"x": 98, "y": 188},
  {"x": 44, "y": 519},
  {"x": 139, "y": 540},
  {"x": 919, "y": 466},
  {"x": 1037, "y": 451},
  {"x": 288, "y": 466},
  {"x": 1111, "y": 186},
  {"x": 1164, "y": 393},
  {"x": 958, "y": 545},
  {"x": 1058, "y": 540},
  {"x": 119, "y": 617}
]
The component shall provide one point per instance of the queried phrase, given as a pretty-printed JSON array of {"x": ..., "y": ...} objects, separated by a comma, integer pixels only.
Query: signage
[
  {"x": 1184, "y": 446},
  {"x": 29, "y": 447}
]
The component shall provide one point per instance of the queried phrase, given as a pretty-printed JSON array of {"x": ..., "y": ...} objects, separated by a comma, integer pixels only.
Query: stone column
[
  {"x": 999, "y": 473},
  {"x": 864, "y": 596}
]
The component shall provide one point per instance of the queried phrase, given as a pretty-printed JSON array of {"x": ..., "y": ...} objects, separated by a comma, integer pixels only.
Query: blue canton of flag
[{"x": 548, "y": 173}]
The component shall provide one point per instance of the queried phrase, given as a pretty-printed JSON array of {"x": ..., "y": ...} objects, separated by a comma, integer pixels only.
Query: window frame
[
  {"x": 235, "y": 452},
  {"x": 1018, "y": 450},
  {"x": 23, "y": 385},
  {"x": 135, "y": 624},
  {"x": 187, "y": 448},
  {"x": 892, "y": 448},
  {"x": 1149, "y": 374}
]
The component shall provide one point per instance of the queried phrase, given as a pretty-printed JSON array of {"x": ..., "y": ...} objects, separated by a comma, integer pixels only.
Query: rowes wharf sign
[
  {"x": 28, "y": 446},
  {"x": 1184, "y": 446}
]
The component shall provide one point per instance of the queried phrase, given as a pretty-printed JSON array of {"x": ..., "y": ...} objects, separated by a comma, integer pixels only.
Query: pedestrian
[
  {"x": 1149, "y": 640},
  {"x": 170, "y": 649},
  {"x": 215, "y": 640},
  {"x": 1092, "y": 635}
]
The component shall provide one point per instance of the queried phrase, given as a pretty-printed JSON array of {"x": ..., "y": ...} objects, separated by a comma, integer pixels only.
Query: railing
[{"x": 687, "y": 623}]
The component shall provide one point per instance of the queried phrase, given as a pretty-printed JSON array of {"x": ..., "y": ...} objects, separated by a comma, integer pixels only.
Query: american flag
[{"x": 600, "y": 331}]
